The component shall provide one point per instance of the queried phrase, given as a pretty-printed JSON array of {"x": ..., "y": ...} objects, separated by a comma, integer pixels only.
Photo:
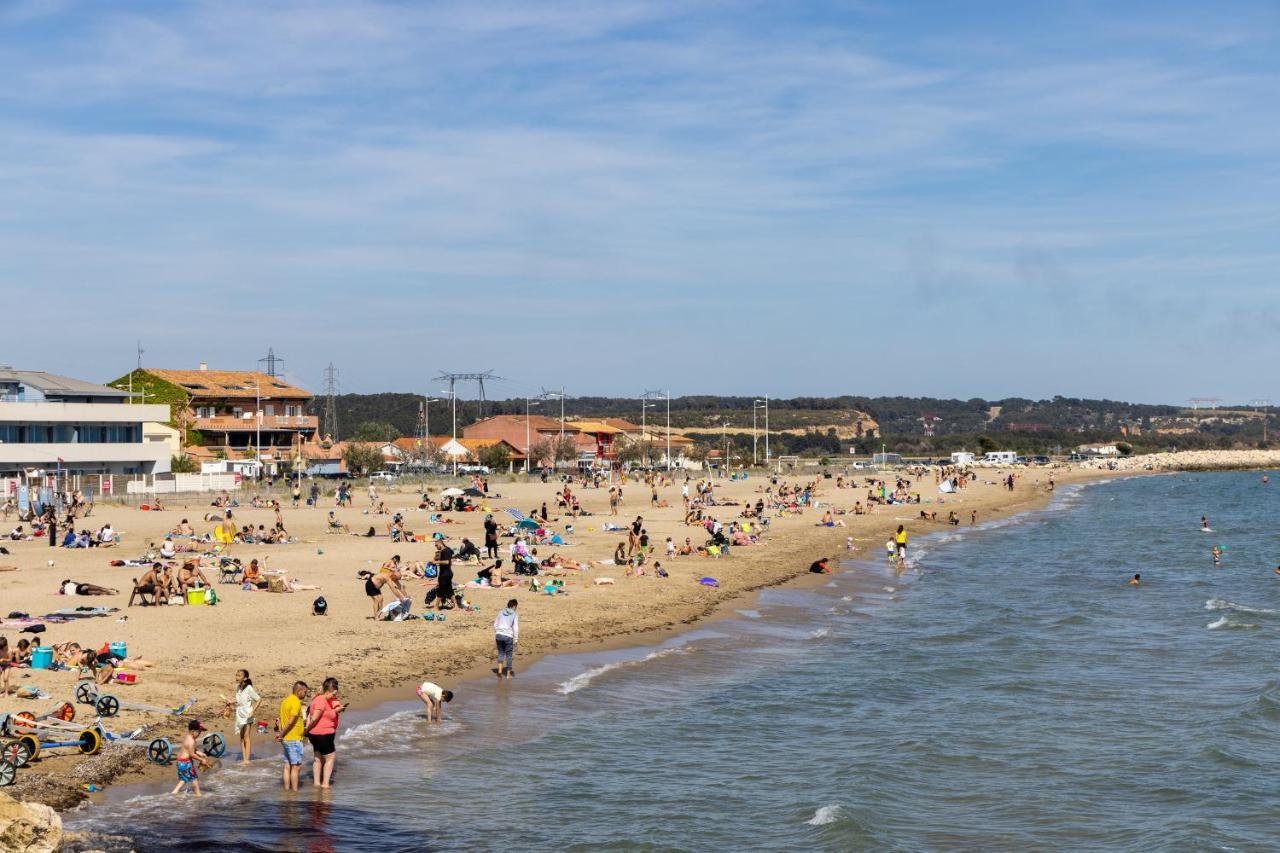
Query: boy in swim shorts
[{"x": 188, "y": 757}]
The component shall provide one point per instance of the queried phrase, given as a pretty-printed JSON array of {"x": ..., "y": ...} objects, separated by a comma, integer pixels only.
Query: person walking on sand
[
  {"x": 506, "y": 629},
  {"x": 291, "y": 723},
  {"x": 434, "y": 698},
  {"x": 321, "y": 729},
  {"x": 187, "y": 759},
  {"x": 247, "y": 700}
]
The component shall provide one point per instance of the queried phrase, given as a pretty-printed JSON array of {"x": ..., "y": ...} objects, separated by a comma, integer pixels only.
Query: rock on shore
[{"x": 28, "y": 827}]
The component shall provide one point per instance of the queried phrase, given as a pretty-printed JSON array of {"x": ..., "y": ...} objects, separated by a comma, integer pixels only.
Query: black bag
[{"x": 319, "y": 607}]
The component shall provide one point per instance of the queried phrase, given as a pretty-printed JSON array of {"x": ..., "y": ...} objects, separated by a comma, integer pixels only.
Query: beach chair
[{"x": 229, "y": 570}]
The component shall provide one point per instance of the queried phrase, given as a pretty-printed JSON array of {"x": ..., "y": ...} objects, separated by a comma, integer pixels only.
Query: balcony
[{"x": 296, "y": 423}]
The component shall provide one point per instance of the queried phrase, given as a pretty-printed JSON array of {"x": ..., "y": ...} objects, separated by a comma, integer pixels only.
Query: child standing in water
[{"x": 188, "y": 757}]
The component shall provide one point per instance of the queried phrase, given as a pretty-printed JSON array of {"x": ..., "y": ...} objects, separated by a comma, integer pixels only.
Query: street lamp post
[
  {"x": 528, "y": 435},
  {"x": 757, "y": 405},
  {"x": 645, "y": 405}
]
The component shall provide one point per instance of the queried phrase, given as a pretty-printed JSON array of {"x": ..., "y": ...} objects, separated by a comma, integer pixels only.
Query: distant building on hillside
[{"x": 50, "y": 423}]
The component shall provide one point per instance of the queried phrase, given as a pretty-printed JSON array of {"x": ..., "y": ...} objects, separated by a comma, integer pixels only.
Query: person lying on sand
[{"x": 70, "y": 587}]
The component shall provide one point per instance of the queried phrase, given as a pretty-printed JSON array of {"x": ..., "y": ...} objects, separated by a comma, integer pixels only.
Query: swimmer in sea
[
  {"x": 1136, "y": 580},
  {"x": 1204, "y": 522},
  {"x": 1217, "y": 556}
]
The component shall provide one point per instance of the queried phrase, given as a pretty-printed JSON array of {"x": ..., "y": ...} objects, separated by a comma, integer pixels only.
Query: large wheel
[
  {"x": 90, "y": 742},
  {"x": 65, "y": 712},
  {"x": 107, "y": 706},
  {"x": 23, "y": 723},
  {"x": 213, "y": 745},
  {"x": 33, "y": 746},
  {"x": 8, "y": 773},
  {"x": 15, "y": 752},
  {"x": 86, "y": 692},
  {"x": 159, "y": 751}
]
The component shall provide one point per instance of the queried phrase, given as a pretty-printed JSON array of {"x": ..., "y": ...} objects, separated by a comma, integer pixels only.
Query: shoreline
[{"x": 806, "y": 543}]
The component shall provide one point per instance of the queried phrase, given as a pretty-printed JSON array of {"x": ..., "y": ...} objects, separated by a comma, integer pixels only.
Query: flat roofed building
[{"x": 54, "y": 423}]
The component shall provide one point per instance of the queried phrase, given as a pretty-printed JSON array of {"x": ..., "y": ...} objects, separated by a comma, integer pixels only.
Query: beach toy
[
  {"x": 709, "y": 582},
  {"x": 126, "y": 678},
  {"x": 440, "y": 618},
  {"x": 41, "y": 657},
  {"x": 430, "y": 617},
  {"x": 120, "y": 650},
  {"x": 320, "y": 552},
  {"x": 195, "y": 596}
]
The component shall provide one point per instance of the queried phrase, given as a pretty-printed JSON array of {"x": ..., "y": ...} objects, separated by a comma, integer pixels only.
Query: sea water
[{"x": 1009, "y": 690}]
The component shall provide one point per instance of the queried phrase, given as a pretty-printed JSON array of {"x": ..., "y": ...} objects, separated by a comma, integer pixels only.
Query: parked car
[
  {"x": 473, "y": 469},
  {"x": 384, "y": 476}
]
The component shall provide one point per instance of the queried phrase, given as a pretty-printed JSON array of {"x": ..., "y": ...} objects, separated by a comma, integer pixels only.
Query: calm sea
[{"x": 1009, "y": 691}]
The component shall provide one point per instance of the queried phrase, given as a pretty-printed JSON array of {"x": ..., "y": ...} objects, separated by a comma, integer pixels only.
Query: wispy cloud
[{"x": 686, "y": 167}]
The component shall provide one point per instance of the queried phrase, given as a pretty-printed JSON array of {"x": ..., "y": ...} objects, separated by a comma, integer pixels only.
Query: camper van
[
  {"x": 1000, "y": 457},
  {"x": 963, "y": 458}
]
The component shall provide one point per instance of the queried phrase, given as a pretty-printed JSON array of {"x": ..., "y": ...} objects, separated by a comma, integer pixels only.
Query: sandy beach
[{"x": 197, "y": 650}]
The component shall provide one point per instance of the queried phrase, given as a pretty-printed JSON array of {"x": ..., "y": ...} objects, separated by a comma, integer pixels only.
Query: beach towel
[{"x": 708, "y": 581}]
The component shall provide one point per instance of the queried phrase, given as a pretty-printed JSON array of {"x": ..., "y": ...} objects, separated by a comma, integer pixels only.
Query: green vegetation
[
  {"x": 827, "y": 426},
  {"x": 184, "y": 465},
  {"x": 495, "y": 456},
  {"x": 376, "y": 431},
  {"x": 362, "y": 459}
]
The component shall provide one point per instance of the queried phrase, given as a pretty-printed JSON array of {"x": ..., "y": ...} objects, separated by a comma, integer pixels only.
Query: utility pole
[
  {"x": 271, "y": 360},
  {"x": 330, "y": 425}
]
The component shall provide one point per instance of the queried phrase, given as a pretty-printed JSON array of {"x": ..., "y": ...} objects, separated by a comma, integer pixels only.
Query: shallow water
[{"x": 1009, "y": 691}]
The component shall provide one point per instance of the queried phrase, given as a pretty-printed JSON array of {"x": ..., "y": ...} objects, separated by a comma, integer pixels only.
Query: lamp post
[
  {"x": 645, "y": 406},
  {"x": 528, "y": 434},
  {"x": 757, "y": 405},
  {"x": 668, "y": 431}
]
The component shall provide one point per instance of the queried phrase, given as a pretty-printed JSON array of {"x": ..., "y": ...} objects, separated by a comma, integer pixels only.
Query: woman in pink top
[{"x": 322, "y": 726}]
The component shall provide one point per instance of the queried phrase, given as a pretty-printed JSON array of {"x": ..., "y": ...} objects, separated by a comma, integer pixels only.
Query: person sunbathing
[
  {"x": 557, "y": 561},
  {"x": 70, "y": 587},
  {"x": 67, "y": 654},
  {"x": 336, "y": 526}
]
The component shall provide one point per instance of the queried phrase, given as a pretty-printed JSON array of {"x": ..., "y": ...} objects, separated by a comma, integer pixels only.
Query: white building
[{"x": 51, "y": 423}]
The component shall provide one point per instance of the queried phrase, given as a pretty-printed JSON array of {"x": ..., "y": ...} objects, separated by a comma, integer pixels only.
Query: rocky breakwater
[{"x": 1194, "y": 460}]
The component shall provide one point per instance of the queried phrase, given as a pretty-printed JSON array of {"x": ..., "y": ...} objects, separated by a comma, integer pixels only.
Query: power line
[{"x": 479, "y": 378}]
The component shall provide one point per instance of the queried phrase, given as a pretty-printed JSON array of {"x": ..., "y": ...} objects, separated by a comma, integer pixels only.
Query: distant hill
[{"x": 833, "y": 424}]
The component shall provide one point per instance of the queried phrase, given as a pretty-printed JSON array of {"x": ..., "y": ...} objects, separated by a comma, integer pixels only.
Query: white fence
[{"x": 175, "y": 483}]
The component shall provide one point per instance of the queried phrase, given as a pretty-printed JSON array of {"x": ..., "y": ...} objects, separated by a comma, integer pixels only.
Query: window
[{"x": 293, "y": 411}]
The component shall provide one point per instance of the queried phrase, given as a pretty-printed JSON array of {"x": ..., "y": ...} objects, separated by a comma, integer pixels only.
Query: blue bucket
[
  {"x": 41, "y": 657},
  {"x": 120, "y": 650}
]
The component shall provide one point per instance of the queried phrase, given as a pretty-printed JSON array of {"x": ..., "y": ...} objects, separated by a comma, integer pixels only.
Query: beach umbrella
[
  {"x": 474, "y": 493},
  {"x": 527, "y": 524},
  {"x": 451, "y": 492}
]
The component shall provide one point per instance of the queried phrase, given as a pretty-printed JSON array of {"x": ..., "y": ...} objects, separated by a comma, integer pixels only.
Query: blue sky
[{"x": 952, "y": 199}]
